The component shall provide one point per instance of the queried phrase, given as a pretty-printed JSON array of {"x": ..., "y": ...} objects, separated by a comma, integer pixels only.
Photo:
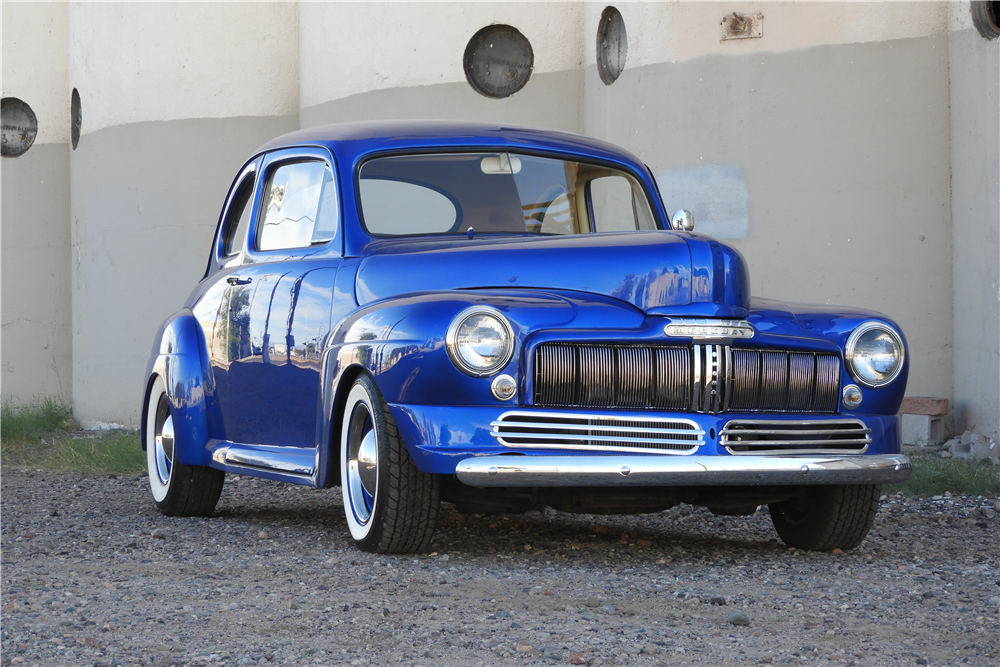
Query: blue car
[{"x": 506, "y": 318}]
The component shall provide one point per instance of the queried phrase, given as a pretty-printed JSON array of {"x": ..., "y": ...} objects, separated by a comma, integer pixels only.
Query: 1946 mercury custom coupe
[{"x": 506, "y": 318}]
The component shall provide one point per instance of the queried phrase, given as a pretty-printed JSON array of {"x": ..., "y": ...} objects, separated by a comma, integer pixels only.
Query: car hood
[{"x": 658, "y": 272}]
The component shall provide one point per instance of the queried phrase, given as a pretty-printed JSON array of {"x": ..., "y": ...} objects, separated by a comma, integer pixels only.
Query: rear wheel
[
  {"x": 827, "y": 517},
  {"x": 390, "y": 506},
  {"x": 178, "y": 489}
]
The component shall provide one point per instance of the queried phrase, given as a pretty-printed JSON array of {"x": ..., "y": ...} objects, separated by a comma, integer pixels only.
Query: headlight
[
  {"x": 480, "y": 341},
  {"x": 874, "y": 354}
]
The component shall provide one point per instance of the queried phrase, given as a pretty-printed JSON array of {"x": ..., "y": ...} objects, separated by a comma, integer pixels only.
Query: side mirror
[{"x": 682, "y": 221}]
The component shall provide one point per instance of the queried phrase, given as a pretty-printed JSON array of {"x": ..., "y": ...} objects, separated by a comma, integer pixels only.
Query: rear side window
[
  {"x": 238, "y": 218},
  {"x": 300, "y": 207}
]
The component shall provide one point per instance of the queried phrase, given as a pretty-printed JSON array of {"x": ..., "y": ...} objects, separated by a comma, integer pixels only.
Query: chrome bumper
[{"x": 681, "y": 470}]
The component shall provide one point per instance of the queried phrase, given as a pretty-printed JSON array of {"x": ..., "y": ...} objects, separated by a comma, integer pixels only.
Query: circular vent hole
[
  {"x": 498, "y": 61},
  {"x": 612, "y": 45}
]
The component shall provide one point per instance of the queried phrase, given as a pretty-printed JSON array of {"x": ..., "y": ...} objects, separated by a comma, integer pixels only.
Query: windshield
[{"x": 498, "y": 193}]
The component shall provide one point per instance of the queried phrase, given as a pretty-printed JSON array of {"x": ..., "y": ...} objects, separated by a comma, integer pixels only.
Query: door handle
[{"x": 236, "y": 280}]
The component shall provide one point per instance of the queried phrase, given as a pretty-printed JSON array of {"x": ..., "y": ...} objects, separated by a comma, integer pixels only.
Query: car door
[
  {"x": 215, "y": 297},
  {"x": 280, "y": 303}
]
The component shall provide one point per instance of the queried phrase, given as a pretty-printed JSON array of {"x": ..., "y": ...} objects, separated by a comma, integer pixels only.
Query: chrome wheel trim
[
  {"x": 160, "y": 450},
  {"x": 163, "y": 441},
  {"x": 360, "y": 467}
]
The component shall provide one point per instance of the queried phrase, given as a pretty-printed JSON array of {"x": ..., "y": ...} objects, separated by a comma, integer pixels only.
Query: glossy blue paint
[
  {"x": 258, "y": 363},
  {"x": 177, "y": 358},
  {"x": 353, "y": 143},
  {"x": 449, "y": 434},
  {"x": 646, "y": 269}
]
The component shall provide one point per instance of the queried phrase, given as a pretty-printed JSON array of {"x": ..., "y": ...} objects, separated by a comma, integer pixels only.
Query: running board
[{"x": 294, "y": 460}]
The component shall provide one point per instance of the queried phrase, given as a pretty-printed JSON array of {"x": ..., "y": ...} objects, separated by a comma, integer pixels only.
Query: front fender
[
  {"x": 401, "y": 342},
  {"x": 777, "y": 319},
  {"x": 179, "y": 358}
]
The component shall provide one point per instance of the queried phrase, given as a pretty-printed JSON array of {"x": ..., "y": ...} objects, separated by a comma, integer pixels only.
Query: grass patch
[
  {"x": 24, "y": 425},
  {"x": 44, "y": 435},
  {"x": 933, "y": 476}
]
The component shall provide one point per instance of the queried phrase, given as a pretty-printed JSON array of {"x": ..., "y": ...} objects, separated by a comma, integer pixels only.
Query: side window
[
  {"x": 300, "y": 207},
  {"x": 619, "y": 205},
  {"x": 238, "y": 218}
]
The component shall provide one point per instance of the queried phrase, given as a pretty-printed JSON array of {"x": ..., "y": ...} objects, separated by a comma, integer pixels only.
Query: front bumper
[{"x": 528, "y": 471}]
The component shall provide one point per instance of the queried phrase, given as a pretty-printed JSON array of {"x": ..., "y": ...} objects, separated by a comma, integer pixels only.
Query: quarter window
[
  {"x": 615, "y": 206},
  {"x": 300, "y": 207},
  {"x": 238, "y": 218}
]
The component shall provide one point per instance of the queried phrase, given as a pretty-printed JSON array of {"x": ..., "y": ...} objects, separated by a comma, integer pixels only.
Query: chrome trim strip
[
  {"x": 245, "y": 458},
  {"x": 597, "y": 427},
  {"x": 779, "y": 431},
  {"x": 533, "y": 430},
  {"x": 639, "y": 470},
  {"x": 852, "y": 432},
  {"x": 522, "y": 435}
]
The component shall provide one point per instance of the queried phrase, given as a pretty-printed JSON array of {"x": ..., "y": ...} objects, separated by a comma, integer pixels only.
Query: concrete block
[
  {"x": 921, "y": 430},
  {"x": 924, "y": 405}
]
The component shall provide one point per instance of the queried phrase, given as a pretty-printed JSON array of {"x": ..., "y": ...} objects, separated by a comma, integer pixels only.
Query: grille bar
[
  {"x": 596, "y": 432},
  {"x": 699, "y": 378},
  {"x": 747, "y": 437}
]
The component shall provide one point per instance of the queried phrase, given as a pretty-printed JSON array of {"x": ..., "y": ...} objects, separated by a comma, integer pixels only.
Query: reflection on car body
[{"x": 506, "y": 318}]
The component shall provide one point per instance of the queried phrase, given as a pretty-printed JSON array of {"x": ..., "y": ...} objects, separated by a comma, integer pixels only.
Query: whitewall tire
[
  {"x": 178, "y": 489},
  {"x": 390, "y": 506}
]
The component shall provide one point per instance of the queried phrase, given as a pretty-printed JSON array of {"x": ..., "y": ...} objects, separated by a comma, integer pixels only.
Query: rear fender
[{"x": 178, "y": 358}]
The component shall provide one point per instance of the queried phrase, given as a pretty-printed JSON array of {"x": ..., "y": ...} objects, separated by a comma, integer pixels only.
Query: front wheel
[
  {"x": 390, "y": 506},
  {"x": 827, "y": 517},
  {"x": 178, "y": 489}
]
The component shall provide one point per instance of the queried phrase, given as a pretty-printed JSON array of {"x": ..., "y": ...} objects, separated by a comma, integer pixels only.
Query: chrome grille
[
  {"x": 596, "y": 432},
  {"x": 700, "y": 378},
  {"x": 756, "y": 436}
]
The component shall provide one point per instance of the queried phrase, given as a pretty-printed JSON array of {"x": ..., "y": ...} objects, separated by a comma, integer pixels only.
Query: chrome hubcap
[
  {"x": 163, "y": 441},
  {"x": 362, "y": 464}
]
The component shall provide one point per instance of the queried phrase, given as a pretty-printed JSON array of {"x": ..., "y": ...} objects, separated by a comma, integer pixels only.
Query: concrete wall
[
  {"x": 816, "y": 150},
  {"x": 834, "y": 185},
  {"x": 35, "y": 234},
  {"x": 975, "y": 180},
  {"x": 169, "y": 117},
  {"x": 406, "y": 62},
  {"x": 847, "y": 188}
]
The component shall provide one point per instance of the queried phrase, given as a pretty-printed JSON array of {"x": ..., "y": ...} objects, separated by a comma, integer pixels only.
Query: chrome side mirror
[{"x": 682, "y": 221}]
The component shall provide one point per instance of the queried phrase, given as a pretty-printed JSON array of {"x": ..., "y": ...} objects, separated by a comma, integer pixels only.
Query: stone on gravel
[
  {"x": 215, "y": 593},
  {"x": 160, "y": 533},
  {"x": 738, "y": 618}
]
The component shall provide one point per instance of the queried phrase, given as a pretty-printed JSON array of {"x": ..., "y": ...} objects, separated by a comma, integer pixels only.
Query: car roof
[{"x": 351, "y": 142}]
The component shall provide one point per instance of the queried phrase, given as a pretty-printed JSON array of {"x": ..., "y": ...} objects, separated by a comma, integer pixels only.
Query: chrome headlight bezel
[
  {"x": 451, "y": 341},
  {"x": 850, "y": 348}
]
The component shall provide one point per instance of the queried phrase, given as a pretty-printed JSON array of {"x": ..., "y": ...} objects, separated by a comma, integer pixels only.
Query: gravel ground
[{"x": 93, "y": 575}]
